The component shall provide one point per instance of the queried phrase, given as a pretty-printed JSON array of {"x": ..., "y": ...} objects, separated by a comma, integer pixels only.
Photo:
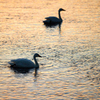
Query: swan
[
  {"x": 54, "y": 20},
  {"x": 23, "y": 63}
]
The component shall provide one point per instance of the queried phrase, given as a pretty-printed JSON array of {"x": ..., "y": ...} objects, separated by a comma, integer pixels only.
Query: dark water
[{"x": 69, "y": 68}]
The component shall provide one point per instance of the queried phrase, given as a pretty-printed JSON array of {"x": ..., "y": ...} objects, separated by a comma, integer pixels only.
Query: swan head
[
  {"x": 61, "y": 9},
  {"x": 36, "y": 55}
]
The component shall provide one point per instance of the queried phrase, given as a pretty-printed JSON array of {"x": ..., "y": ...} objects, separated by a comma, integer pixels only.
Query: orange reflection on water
[{"x": 70, "y": 68}]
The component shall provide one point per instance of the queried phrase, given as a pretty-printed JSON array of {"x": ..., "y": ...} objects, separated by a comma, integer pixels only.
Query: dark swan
[
  {"x": 25, "y": 64},
  {"x": 54, "y": 20}
]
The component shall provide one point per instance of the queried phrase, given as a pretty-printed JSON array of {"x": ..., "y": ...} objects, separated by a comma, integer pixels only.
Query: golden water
[{"x": 70, "y": 69}]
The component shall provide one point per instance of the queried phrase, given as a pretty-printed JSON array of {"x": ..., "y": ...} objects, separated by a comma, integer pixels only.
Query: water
[{"x": 69, "y": 68}]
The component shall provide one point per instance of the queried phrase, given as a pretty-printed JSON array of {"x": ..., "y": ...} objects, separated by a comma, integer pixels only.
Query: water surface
[{"x": 69, "y": 68}]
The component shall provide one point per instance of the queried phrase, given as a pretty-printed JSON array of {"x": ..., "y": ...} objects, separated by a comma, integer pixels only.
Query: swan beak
[
  {"x": 39, "y": 56},
  {"x": 63, "y": 10}
]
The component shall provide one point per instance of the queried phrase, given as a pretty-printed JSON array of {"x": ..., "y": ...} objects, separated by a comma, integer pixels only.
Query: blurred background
[{"x": 69, "y": 68}]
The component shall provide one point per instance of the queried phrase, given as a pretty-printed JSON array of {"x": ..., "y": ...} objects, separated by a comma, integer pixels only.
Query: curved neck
[
  {"x": 36, "y": 63},
  {"x": 59, "y": 15}
]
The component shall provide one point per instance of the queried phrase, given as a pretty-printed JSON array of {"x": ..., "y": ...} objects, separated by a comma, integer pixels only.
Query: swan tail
[
  {"x": 11, "y": 63},
  {"x": 46, "y": 22}
]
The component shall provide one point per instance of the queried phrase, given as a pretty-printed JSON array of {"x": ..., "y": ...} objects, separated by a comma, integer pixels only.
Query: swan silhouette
[
  {"x": 54, "y": 20},
  {"x": 23, "y": 64}
]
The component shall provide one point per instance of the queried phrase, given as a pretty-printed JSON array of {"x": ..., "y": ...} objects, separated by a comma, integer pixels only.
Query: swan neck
[
  {"x": 59, "y": 15},
  {"x": 36, "y": 63}
]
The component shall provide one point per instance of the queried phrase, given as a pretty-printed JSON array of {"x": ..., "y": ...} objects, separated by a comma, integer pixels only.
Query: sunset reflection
[{"x": 69, "y": 68}]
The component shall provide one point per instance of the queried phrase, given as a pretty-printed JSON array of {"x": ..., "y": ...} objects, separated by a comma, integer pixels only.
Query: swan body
[
  {"x": 54, "y": 20},
  {"x": 22, "y": 63},
  {"x": 25, "y": 63}
]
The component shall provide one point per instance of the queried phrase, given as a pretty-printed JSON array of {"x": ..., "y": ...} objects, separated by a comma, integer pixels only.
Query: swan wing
[
  {"x": 53, "y": 19},
  {"x": 22, "y": 63}
]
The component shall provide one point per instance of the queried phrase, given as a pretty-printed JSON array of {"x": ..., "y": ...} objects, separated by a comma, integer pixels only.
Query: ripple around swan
[{"x": 70, "y": 64}]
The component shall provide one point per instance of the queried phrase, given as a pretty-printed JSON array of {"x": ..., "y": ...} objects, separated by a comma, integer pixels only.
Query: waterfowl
[
  {"x": 54, "y": 20},
  {"x": 25, "y": 64}
]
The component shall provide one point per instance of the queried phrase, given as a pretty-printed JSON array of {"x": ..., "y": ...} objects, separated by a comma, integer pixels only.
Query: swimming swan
[
  {"x": 54, "y": 20},
  {"x": 23, "y": 63}
]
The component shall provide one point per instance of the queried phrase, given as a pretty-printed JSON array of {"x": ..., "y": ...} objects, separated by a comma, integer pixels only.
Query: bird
[
  {"x": 54, "y": 20},
  {"x": 25, "y": 64}
]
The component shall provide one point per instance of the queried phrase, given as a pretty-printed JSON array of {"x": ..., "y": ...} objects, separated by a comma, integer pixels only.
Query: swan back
[{"x": 53, "y": 19}]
